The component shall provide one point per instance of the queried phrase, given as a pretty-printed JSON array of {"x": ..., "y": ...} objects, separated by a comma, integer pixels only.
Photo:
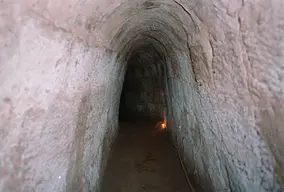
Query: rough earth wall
[
  {"x": 234, "y": 122},
  {"x": 59, "y": 98},
  {"x": 61, "y": 74}
]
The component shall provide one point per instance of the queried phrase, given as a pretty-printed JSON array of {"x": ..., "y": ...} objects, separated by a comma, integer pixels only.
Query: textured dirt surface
[{"x": 143, "y": 159}]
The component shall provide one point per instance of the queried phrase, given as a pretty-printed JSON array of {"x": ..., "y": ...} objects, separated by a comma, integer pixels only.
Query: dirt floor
[{"x": 143, "y": 159}]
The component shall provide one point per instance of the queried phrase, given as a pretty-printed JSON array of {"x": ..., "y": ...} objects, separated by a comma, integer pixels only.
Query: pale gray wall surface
[
  {"x": 59, "y": 104},
  {"x": 62, "y": 65}
]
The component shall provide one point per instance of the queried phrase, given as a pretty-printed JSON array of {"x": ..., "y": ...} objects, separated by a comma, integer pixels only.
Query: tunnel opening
[
  {"x": 142, "y": 96},
  {"x": 158, "y": 85},
  {"x": 143, "y": 157}
]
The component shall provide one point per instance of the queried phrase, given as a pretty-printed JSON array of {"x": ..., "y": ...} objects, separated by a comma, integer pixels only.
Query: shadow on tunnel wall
[
  {"x": 88, "y": 162},
  {"x": 76, "y": 168}
]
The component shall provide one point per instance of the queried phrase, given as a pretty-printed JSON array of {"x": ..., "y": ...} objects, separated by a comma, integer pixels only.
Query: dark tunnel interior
[{"x": 143, "y": 89}]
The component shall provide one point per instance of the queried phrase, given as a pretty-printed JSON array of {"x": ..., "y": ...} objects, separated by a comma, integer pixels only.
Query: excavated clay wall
[
  {"x": 59, "y": 102},
  {"x": 62, "y": 65}
]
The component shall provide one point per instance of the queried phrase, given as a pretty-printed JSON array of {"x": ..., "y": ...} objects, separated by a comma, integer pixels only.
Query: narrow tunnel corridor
[
  {"x": 143, "y": 158},
  {"x": 85, "y": 80}
]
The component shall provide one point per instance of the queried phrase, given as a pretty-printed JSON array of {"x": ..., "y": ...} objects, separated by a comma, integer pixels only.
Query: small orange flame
[{"x": 164, "y": 124}]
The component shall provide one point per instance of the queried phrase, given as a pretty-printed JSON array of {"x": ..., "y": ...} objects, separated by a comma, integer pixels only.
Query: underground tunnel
[
  {"x": 72, "y": 71},
  {"x": 143, "y": 158},
  {"x": 142, "y": 94}
]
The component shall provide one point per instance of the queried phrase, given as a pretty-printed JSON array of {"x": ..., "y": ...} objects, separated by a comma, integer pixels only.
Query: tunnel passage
[
  {"x": 62, "y": 68},
  {"x": 199, "y": 85},
  {"x": 143, "y": 88},
  {"x": 143, "y": 157}
]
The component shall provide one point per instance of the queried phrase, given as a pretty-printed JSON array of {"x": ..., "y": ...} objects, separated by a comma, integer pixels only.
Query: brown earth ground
[{"x": 143, "y": 159}]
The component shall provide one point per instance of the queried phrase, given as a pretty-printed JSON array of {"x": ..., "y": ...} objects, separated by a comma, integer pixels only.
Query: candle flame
[{"x": 164, "y": 124}]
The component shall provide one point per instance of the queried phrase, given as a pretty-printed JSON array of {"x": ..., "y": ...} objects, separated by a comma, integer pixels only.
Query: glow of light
[{"x": 164, "y": 124}]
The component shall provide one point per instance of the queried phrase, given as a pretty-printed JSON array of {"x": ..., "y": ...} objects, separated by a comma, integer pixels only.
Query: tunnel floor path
[{"x": 143, "y": 159}]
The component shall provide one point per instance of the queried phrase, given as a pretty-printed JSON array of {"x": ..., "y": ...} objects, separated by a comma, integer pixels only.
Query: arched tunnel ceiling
[
  {"x": 118, "y": 22},
  {"x": 114, "y": 24},
  {"x": 160, "y": 22}
]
